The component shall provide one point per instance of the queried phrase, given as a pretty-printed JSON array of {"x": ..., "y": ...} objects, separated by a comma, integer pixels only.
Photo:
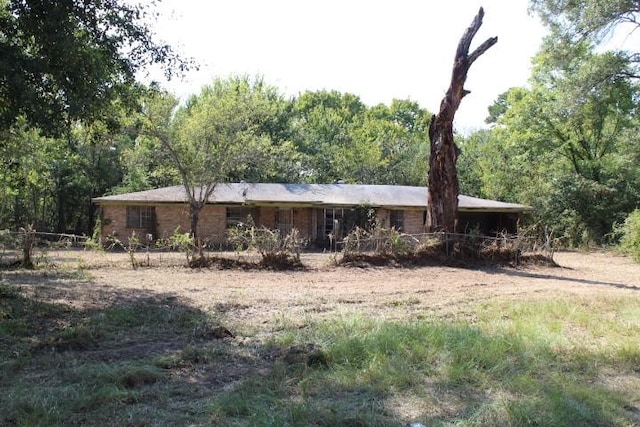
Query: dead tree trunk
[{"x": 442, "y": 196}]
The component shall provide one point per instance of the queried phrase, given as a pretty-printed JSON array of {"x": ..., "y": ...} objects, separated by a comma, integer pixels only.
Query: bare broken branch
[{"x": 442, "y": 196}]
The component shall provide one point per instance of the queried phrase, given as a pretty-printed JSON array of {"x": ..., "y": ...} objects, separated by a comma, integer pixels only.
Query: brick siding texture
[
  {"x": 169, "y": 219},
  {"x": 302, "y": 221},
  {"x": 268, "y": 217},
  {"x": 114, "y": 221},
  {"x": 212, "y": 221},
  {"x": 413, "y": 222},
  {"x": 382, "y": 218}
]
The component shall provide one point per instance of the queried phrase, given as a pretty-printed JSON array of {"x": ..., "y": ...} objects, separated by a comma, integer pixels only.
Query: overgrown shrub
[
  {"x": 381, "y": 246},
  {"x": 630, "y": 235},
  {"x": 94, "y": 242},
  {"x": 277, "y": 251},
  {"x": 133, "y": 245},
  {"x": 380, "y": 240},
  {"x": 177, "y": 241}
]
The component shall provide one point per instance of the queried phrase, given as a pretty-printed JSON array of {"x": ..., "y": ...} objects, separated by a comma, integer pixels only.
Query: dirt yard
[
  {"x": 324, "y": 289},
  {"x": 93, "y": 326}
]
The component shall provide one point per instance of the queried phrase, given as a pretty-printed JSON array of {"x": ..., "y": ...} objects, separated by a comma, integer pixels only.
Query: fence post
[
  {"x": 446, "y": 243},
  {"x": 29, "y": 234}
]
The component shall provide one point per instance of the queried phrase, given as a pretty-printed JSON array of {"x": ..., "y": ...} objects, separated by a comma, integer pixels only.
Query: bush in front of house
[
  {"x": 277, "y": 251},
  {"x": 388, "y": 246},
  {"x": 630, "y": 235}
]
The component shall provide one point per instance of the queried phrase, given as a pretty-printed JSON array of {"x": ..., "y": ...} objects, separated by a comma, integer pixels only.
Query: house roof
[{"x": 336, "y": 195}]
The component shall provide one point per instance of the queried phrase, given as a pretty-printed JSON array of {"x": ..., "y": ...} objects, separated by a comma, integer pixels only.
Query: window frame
[
  {"x": 396, "y": 219},
  {"x": 238, "y": 217},
  {"x": 141, "y": 217},
  {"x": 285, "y": 220}
]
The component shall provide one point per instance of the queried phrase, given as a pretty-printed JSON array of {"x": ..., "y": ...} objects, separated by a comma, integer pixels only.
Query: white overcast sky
[{"x": 376, "y": 49}]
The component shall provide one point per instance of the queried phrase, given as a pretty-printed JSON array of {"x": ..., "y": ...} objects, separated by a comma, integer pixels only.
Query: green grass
[
  {"x": 528, "y": 363},
  {"x": 531, "y": 363},
  {"x": 151, "y": 361}
]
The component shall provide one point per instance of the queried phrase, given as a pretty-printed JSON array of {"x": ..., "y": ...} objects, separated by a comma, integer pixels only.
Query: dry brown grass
[
  {"x": 324, "y": 288},
  {"x": 208, "y": 331}
]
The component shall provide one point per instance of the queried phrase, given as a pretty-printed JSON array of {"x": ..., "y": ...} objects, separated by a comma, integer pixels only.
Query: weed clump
[
  {"x": 630, "y": 235},
  {"x": 389, "y": 247},
  {"x": 276, "y": 252}
]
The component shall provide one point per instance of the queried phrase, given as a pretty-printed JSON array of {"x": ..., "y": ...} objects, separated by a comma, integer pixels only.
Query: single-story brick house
[{"x": 316, "y": 210}]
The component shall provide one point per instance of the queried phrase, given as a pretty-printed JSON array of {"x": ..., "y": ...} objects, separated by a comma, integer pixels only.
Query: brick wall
[
  {"x": 169, "y": 218},
  {"x": 382, "y": 218},
  {"x": 268, "y": 217},
  {"x": 212, "y": 221},
  {"x": 413, "y": 222},
  {"x": 114, "y": 221},
  {"x": 302, "y": 221},
  {"x": 212, "y": 224}
]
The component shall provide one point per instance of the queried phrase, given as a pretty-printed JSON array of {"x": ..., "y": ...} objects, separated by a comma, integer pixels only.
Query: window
[
  {"x": 333, "y": 222},
  {"x": 396, "y": 219},
  {"x": 285, "y": 221},
  {"x": 141, "y": 217},
  {"x": 237, "y": 216}
]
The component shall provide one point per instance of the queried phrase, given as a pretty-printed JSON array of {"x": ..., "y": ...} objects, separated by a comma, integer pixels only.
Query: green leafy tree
[
  {"x": 68, "y": 60},
  {"x": 391, "y": 145},
  {"x": 630, "y": 230},
  {"x": 228, "y": 132},
  {"x": 472, "y": 150},
  {"x": 49, "y": 182},
  {"x": 594, "y": 19},
  {"x": 322, "y": 125},
  {"x": 145, "y": 166},
  {"x": 565, "y": 145},
  {"x": 25, "y": 184},
  {"x": 340, "y": 138}
]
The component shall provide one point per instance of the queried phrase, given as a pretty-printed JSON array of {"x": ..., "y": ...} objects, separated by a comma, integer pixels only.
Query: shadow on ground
[
  {"x": 73, "y": 353},
  {"x": 532, "y": 275}
]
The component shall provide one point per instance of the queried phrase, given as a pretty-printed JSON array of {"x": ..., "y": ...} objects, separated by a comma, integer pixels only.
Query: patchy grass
[
  {"x": 501, "y": 371},
  {"x": 75, "y": 353},
  {"x": 110, "y": 365}
]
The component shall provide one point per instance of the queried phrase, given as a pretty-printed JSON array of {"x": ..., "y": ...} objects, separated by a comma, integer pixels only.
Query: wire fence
[
  {"x": 455, "y": 245},
  {"x": 16, "y": 247},
  {"x": 393, "y": 241},
  {"x": 10, "y": 239},
  {"x": 15, "y": 244}
]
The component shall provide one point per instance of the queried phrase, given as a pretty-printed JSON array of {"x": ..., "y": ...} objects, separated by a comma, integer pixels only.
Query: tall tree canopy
[
  {"x": 340, "y": 138},
  {"x": 594, "y": 19},
  {"x": 231, "y": 131},
  {"x": 575, "y": 25},
  {"x": 49, "y": 182},
  {"x": 567, "y": 145},
  {"x": 66, "y": 60}
]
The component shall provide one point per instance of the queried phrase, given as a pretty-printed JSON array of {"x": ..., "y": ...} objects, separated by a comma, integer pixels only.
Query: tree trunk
[
  {"x": 442, "y": 196},
  {"x": 194, "y": 215}
]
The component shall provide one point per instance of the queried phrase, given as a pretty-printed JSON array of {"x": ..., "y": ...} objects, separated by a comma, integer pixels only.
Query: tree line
[
  {"x": 237, "y": 128},
  {"x": 566, "y": 143}
]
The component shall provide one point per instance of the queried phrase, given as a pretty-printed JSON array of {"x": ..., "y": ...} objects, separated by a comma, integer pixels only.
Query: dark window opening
[
  {"x": 396, "y": 219},
  {"x": 285, "y": 221},
  {"x": 140, "y": 217},
  {"x": 237, "y": 216}
]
